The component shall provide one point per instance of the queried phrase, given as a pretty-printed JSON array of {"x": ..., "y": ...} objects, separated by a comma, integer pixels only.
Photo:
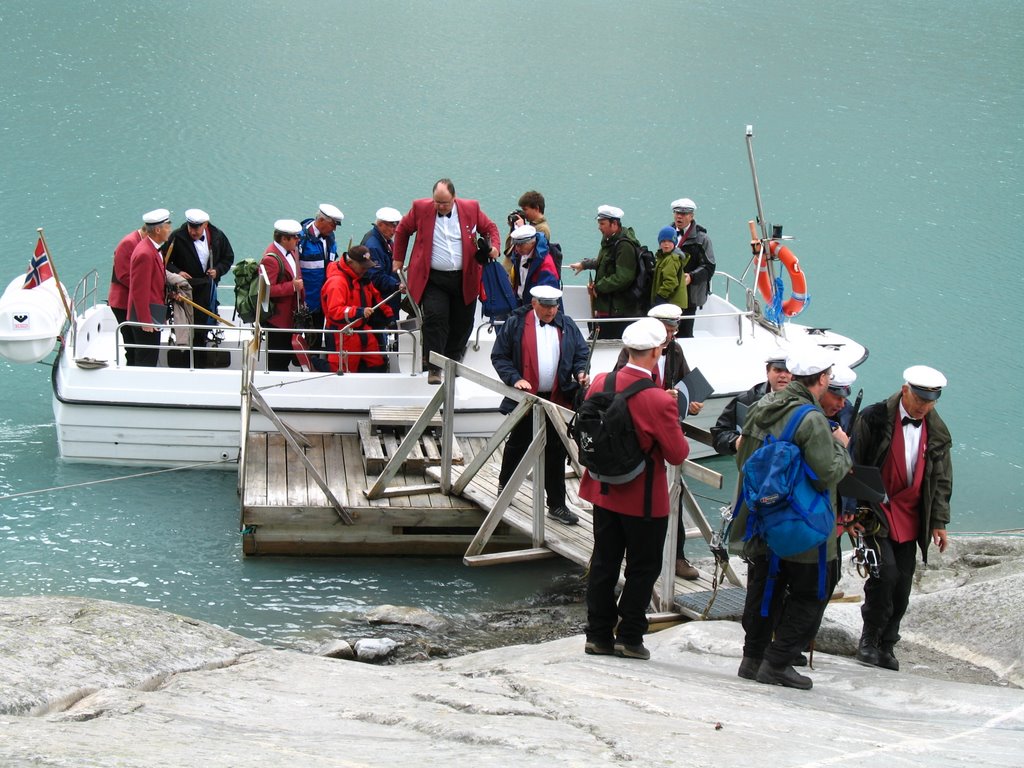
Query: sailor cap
[
  {"x": 841, "y": 380},
  {"x": 648, "y": 333},
  {"x": 196, "y": 216},
  {"x": 667, "y": 313},
  {"x": 390, "y": 215},
  {"x": 524, "y": 233},
  {"x": 807, "y": 360},
  {"x": 924, "y": 381},
  {"x": 288, "y": 227},
  {"x": 684, "y": 205},
  {"x": 329, "y": 211},
  {"x": 159, "y": 216},
  {"x": 777, "y": 359},
  {"x": 546, "y": 295},
  {"x": 609, "y": 212}
]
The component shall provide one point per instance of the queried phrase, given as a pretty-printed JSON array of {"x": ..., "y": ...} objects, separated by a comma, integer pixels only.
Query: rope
[
  {"x": 297, "y": 381},
  {"x": 112, "y": 479}
]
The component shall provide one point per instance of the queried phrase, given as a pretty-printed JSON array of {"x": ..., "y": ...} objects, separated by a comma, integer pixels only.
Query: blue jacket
[
  {"x": 542, "y": 270},
  {"x": 381, "y": 275},
  {"x": 311, "y": 249},
  {"x": 506, "y": 354}
]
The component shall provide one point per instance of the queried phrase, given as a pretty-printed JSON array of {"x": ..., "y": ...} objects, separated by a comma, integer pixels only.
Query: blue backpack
[
  {"x": 497, "y": 298},
  {"x": 785, "y": 509}
]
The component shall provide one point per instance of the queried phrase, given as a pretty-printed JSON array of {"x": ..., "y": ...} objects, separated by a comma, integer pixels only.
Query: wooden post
[
  {"x": 540, "y": 437},
  {"x": 56, "y": 279}
]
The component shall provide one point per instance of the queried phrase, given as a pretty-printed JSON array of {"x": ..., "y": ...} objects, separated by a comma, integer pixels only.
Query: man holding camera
[{"x": 444, "y": 276}]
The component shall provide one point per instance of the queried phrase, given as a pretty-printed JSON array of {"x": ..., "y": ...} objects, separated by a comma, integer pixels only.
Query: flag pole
[{"x": 53, "y": 266}]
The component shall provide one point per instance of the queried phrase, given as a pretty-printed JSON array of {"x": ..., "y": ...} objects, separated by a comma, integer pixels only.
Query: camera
[{"x": 517, "y": 214}]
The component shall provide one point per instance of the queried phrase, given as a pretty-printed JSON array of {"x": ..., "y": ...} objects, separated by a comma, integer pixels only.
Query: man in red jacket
[
  {"x": 622, "y": 527},
  {"x": 147, "y": 294},
  {"x": 444, "y": 278}
]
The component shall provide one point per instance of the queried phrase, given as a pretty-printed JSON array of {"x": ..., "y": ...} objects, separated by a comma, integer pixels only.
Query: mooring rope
[{"x": 113, "y": 479}]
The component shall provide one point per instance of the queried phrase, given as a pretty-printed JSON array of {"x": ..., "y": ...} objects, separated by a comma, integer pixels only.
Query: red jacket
[
  {"x": 282, "y": 289},
  {"x": 117, "y": 297},
  {"x": 419, "y": 221},
  {"x": 147, "y": 298},
  {"x": 344, "y": 297},
  {"x": 656, "y": 421}
]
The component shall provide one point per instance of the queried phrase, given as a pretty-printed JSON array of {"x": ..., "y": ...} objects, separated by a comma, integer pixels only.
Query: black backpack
[
  {"x": 640, "y": 289},
  {"x": 602, "y": 428}
]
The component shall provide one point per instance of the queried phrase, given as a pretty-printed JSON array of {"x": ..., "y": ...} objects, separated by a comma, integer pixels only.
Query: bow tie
[
  {"x": 444, "y": 215},
  {"x": 907, "y": 420},
  {"x": 542, "y": 323}
]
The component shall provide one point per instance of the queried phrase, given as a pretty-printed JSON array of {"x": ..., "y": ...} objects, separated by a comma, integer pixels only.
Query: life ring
[{"x": 795, "y": 304}]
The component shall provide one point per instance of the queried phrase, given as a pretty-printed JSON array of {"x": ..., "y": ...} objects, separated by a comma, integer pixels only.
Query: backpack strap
[
  {"x": 637, "y": 386},
  {"x": 794, "y": 421}
]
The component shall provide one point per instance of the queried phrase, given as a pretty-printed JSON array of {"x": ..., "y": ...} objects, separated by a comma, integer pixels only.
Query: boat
[{"x": 110, "y": 413}]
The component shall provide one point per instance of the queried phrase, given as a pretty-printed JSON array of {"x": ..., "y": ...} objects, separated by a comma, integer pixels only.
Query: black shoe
[
  {"x": 867, "y": 648},
  {"x": 799, "y": 660},
  {"x": 319, "y": 364},
  {"x": 563, "y": 515},
  {"x": 748, "y": 668},
  {"x": 628, "y": 651},
  {"x": 887, "y": 660},
  {"x": 597, "y": 648},
  {"x": 434, "y": 378},
  {"x": 785, "y": 676}
]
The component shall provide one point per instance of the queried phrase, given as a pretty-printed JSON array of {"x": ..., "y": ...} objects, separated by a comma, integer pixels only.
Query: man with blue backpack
[{"x": 784, "y": 527}]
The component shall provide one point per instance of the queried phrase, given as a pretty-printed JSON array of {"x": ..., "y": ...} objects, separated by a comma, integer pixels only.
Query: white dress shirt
[
  {"x": 911, "y": 444},
  {"x": 446, "y": 254},
  {"x": 548, "y": 349}
]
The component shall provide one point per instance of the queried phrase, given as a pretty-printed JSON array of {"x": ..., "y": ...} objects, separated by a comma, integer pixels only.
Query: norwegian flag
[{"x": 39, "y": 269}]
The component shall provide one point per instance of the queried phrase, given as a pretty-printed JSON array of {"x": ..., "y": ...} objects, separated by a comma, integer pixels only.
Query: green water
[{"x": 888, "y": 141}]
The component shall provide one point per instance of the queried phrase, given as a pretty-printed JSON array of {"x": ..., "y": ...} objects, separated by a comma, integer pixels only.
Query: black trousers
[
  {"x": 126, "y": 334},
  {"x": 150, "y": 354},
  {"x": 686, "y": 323},
  {"x": 554, "y": 459},
  {"x": 447, "y": 319},
  {"x": 641, "y": 541},
  {"x": 886, "y": 598},
  {"x": 278, "y": 341},
  {"x": 794, "y": 614}
]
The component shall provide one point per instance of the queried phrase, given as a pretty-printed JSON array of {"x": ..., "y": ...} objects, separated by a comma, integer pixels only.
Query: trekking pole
[{"x": 376, "y": 306}]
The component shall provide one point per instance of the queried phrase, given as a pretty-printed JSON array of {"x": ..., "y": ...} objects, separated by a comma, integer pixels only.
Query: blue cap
[{"x": 667, "y": 233}]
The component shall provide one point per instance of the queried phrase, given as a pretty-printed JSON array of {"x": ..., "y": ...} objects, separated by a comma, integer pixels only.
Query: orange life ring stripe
[{"x": 795, "y": 304}]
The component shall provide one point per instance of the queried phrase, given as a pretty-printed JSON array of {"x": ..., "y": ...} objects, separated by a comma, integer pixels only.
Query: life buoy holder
[{"x": 795, "y": 304}]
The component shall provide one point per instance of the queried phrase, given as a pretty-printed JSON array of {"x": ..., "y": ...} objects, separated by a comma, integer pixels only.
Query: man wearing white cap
[
  {"x": 117, "y": 297},
  {"x": 280, "y": 260},
  {"x": 381, "y": 240},
  {"x": 201, "y": 253},
  {"x": 147, "y": 297},
  {"x": 616, "y": 272},
  {"x": 695, "y": 243},
  {"x": 444, "y": 275},
  {"x": 725, "y": 435},
  {"x": 631, "y": 519},
  {"x": 541, "y": 351},
  {"x": 532, "y": 264},
  {"x": 835, "y": 399},
  {"x": 911, "y": 444},
  {"x": 317, "y": 248},
  {"x": 797, "y": 601}
]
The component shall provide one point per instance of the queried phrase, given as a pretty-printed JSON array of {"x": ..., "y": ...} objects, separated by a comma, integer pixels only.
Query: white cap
[
  {"x": 524, "y": 233},
  {"x": 841, "y": 380},
  {"x": 667, "y": 313},
  {"x": 329, "y": 211},
  {"x": 647, "y": 333},
  {"x": 390, "y": 215},
  {"x": 546, "y": 295},
  {"x": 609, "y": 212},
  {"x": 288, "y": 227},
  {"x": 924, "y": 381},
  {"x": 684, "y": 205},
  {"x": 807, "y": 360},
  {"x": 159, "y": 216},
  {"x": 196, "y": 216}
]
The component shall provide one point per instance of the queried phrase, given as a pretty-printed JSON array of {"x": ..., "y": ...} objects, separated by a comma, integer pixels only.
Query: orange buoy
[{"x": 795, "y": 304}]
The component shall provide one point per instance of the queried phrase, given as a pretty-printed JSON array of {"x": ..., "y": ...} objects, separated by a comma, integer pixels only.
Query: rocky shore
[{"x": 86, "y": 683}]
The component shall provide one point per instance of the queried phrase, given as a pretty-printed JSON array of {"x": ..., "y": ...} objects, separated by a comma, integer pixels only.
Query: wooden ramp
[
  {"x": 285, "y": 511},
  {"x": 575, "y": 542}
]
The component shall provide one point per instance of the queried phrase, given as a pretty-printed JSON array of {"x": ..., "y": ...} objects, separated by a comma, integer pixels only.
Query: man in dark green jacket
[
  {"x": 612, "y": 292},
  {"x": 910, "y": 443},
  {"x": 797, "y": 604}
]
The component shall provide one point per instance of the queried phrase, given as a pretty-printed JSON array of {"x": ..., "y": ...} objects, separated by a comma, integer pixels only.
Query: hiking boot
[
  {"x": 799, "y": 660},
  {"x": 597, "y": 648},
  {"x": 563, "y": 515},
  {"x": 867, "y": 649},
  {"x": 887, "y": 660},
  {"x": 434, "y": 377},
  {"x": 748, "y": 668},
  {"x": 785, "y": 676},
  {"x": 628, "y": 651},
  {"x": 686, "y": 571}
]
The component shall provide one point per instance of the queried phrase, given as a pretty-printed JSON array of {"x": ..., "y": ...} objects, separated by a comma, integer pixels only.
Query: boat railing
[
  {"x": 82, "y": 299},
  {"x": 395, "y": 354}
]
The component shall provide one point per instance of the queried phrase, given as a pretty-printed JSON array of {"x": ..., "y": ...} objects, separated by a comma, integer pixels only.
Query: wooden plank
[
  {"x": 256, "y": 470},
  {"x": 468, "y": 517},
  {"x": 296, "y": 473},
  {"x": 356, "y": 477},
  {"x": 277, "y": 476},
  {"x": 428, "y": 444},
  {"x": 408, "y": 490},
  {"x": 398, "y": 416},
  {"x": 335, "y": 464},
  {"x": 513, "y": 556},
  {"x": 702, "y": 474},
  {"x": 374, "y": 457},
  {"x": 315, "y": 453}
]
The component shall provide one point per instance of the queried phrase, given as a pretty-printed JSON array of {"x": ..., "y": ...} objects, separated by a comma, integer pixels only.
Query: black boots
[
  {"x": 867, "y": 650},
  {"x": 785, "y": 675}
]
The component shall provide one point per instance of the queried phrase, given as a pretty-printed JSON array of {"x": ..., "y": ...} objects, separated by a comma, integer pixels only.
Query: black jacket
[
  {"x": 724, "y": 434},
  {"x": 184, "y": 259}
]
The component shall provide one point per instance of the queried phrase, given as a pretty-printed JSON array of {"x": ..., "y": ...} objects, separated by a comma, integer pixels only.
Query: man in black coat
[
  {"x": 202, "y": 254},
  {"x": 725, "y": 435}
]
